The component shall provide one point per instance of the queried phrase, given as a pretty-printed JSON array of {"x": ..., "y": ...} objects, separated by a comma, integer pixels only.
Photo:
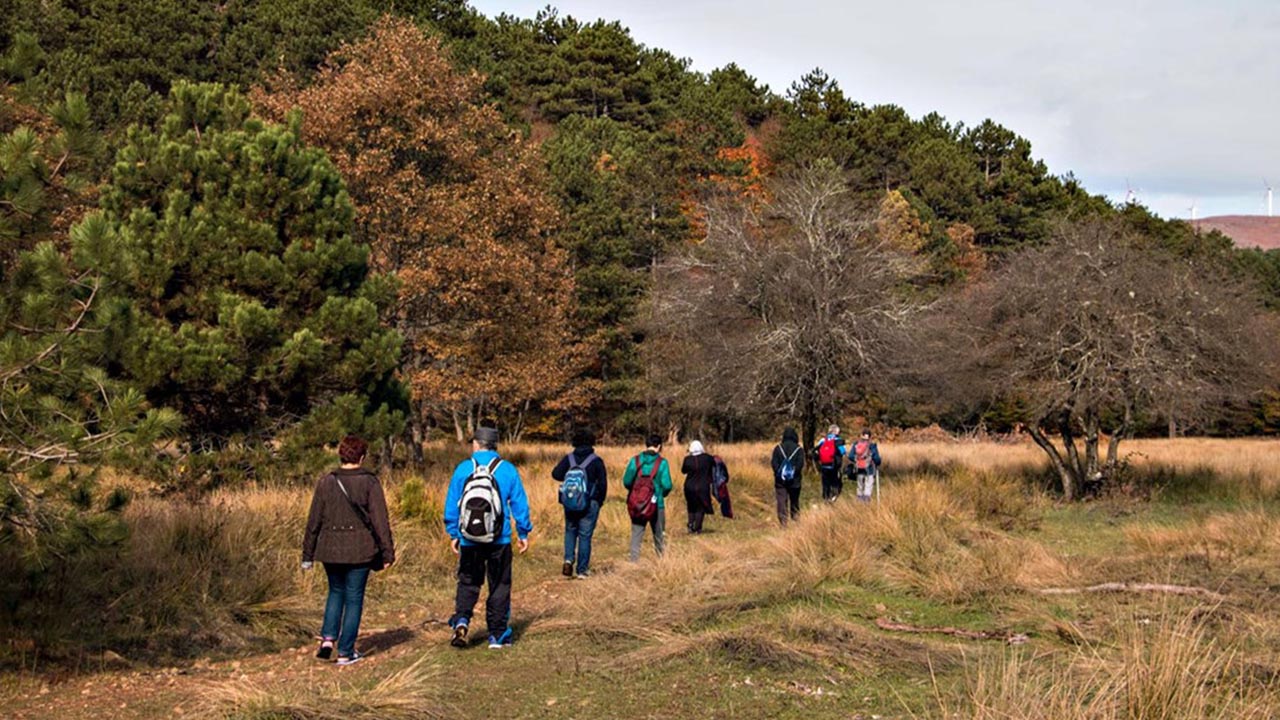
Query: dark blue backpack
[{"x": 575, "y": 496}]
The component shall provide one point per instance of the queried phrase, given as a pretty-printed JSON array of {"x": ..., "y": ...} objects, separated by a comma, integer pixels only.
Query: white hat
[{"x": 695, "y": 448}]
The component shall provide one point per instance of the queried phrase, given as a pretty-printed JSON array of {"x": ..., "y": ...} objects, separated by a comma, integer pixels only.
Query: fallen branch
[
  {"x": 1137, "y": 588},
  {"x": 1011, "y": 638}
]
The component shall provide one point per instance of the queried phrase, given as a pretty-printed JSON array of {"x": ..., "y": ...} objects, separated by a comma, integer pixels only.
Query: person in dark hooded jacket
[
  {"x": 788, "y": 466},
  {"x": 580, "y": 526}
]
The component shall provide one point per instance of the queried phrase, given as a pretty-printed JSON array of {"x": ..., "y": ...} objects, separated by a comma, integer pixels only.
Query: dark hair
[
  {"x": 654, "y": 440},
  {"x": 866, "y": 432},
  {"x": 582, "y": 437},
  {"x": 486, "y": 436},
  {"x": 352, "y": 450}
]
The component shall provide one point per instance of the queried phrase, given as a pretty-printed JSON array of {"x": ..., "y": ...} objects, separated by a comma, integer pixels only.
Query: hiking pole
[{"x": 877, "y": 482}]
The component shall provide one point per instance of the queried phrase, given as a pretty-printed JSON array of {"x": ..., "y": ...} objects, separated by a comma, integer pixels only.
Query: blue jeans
[
  {"x": 346, "y": 602},
  {"x": 578, "y": 529}
]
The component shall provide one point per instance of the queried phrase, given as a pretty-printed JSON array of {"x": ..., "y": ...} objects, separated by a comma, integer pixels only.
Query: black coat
[
  {"x": 697, "y": 471},
  {"x": 788, "y": 448},
  {"x": 597, "y": 476}
]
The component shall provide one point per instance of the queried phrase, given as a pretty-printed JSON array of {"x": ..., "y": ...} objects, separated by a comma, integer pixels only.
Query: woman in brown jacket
[{"x": 348, "y": 530}]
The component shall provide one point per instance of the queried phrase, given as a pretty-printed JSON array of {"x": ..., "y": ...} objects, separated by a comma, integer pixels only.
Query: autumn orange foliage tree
[{"x": 450, "y": 200}]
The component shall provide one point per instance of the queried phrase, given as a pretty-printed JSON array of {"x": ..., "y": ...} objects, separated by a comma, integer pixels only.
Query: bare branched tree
[
  {"x": 783, "y": 304},
  {"x": 1097, "y": 329}
]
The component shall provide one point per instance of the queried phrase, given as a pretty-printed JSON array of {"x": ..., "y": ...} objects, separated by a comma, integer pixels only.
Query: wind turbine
[
  {"x": 1268, "y": 186},
  {"x": 1192, "y": 209}
]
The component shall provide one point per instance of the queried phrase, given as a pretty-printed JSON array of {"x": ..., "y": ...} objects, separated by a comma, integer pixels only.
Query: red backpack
[
  {"x": 642, "y": 500},
  {"x": 827, "y": 452},
  {"x": 862, "y": 454}
]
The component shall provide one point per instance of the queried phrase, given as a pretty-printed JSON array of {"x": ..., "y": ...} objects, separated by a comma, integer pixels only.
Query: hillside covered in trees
[{"x": 253, "y": 225}]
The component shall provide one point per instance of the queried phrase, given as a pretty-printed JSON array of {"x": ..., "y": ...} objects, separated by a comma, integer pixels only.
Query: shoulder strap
[
  {"x": 359, "y": 511},
  {"x": 653, "y": 472},
  {"x": 793, "y": 452}
]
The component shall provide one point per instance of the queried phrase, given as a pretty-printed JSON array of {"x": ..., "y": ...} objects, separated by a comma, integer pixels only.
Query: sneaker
[
  {"x": 497, "y": 642},
  {"x": 352, "y": 659},
  {"x": 326, "y": 649},
  {"x": 584, "y": 574},
  {"x": 567, "y": 569},
  {"x": 459, "y": 635}
]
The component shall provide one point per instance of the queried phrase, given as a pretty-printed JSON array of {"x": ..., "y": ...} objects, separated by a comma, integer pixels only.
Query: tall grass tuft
[
  {"x": 409, "y": 694},
  {"x": 1166, "y": 671}
]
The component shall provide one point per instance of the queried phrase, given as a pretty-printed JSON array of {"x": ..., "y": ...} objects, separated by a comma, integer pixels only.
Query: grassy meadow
[{"x": 966, "y": 592}]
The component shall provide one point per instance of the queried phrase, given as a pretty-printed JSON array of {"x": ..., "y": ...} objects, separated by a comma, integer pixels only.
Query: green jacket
[{"x": 661, "y": 482}]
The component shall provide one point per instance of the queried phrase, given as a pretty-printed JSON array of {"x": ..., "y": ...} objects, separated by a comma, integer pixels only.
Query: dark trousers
[
  {"x": 696, "y": 499},
  {"x": 788, "y": 503},
  {"x": 831, "y": 482},
  {"x": 477, "y": 563},
  {"x": 345, "y": 604},
  {"x": 578, "y": 529}
]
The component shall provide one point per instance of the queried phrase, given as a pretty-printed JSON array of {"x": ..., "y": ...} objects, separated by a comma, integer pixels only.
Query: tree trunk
[
  {"x": 1075, "y": 467},
  {"x": 1113, "y": 444},
  {"x": 809, "y": 425},
  {"x": 517, "y": 432},
  {"x": 458, "y": 429},
  {"x": 1091, "y": 432},
  {"x": 387, "y": 460},
  {"x": 1056, "y": 459},
  {"x": 417, "y": 435}
]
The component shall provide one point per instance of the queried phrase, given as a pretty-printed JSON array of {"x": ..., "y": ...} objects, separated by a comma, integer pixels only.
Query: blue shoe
[
  {"x": 459, "y": 633},
  {"x": 497, "y": 642},
  {"x": 351, "y": 659}
]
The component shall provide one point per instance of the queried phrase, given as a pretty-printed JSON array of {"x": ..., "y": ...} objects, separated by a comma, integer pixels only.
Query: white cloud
[{"x": 1176, "y": 96}]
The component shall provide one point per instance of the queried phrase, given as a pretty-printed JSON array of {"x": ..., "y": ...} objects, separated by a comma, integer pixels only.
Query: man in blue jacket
[
  {"x": 478, "y": 560},
  {"x": 580, "y": 526}
]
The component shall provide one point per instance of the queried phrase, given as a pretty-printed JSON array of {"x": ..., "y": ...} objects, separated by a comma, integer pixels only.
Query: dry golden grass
[
  {"x": 1226, "y": 536},
  {"x": 1161, "y": 671},
  {"x": 413, "y": 693}
]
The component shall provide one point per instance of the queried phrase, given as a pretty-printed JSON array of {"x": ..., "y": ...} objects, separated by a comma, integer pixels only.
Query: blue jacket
[
  {"x": 510, "y": 489},
  {"x": 873, "y": 451}
]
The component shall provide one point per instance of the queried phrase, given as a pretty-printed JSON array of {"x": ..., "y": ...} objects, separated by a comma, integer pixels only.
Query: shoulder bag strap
[{"x": 360, "y": 512}]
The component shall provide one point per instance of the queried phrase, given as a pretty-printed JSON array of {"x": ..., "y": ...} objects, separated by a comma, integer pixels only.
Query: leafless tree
[
  {"x": 785, "y": 302},
  {"x": 1097, "y": 329}
]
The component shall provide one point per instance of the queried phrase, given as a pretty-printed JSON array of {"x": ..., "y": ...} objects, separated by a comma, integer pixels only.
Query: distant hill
[{"x": 1246, "y": 230}]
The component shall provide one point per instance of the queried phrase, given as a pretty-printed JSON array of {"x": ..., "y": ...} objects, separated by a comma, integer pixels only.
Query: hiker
[
  {"x": 583, "y": 487},
  {"x": 828, "y": 455},
  {"x": 865, "y": 465},
  {"x": 648, "y": 482},
  {"x": 788, "y": 466},
  {"x": 348, "y": 530},
  {"x": 485, "y": 495},
  {"x": 697, "y": 468}
]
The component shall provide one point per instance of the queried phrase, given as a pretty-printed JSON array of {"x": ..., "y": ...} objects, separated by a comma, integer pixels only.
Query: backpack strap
[
  {"x": 360, "y": 513},
  {"x": 574, "y": 464}
]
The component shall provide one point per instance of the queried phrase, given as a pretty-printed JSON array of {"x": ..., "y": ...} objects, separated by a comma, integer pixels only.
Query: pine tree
[{"x": 238, "y": 296}]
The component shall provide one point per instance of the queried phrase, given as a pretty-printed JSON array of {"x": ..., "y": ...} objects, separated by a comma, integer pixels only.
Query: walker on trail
[{"x": 864, "y": 470}]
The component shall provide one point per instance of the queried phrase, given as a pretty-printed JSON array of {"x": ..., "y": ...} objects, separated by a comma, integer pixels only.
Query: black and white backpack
[{"x": 480, "y": 510}]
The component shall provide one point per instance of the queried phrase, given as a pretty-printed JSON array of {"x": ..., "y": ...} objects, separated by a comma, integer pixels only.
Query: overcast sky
[{"x": 1177, "y": 98}]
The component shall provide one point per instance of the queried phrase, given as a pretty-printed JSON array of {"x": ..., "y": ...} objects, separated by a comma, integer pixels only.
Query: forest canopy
[{"x": 284, "y": 220}]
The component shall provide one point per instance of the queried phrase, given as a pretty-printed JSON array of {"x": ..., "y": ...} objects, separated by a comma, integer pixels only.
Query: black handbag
[{"x": 380, "y": 561}]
